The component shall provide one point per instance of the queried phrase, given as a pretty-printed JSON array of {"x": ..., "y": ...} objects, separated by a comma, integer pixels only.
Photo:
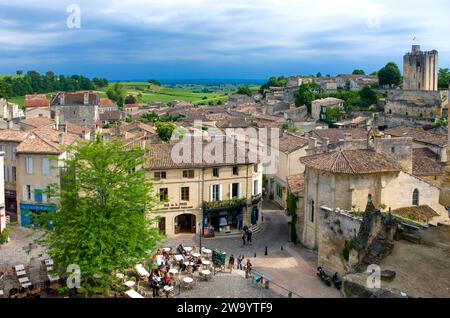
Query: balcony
[{"x": 224, "y": 204}]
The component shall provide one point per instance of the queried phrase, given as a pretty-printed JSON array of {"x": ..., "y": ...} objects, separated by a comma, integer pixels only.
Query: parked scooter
[
  {"x": 323, "y": 276},
  {"x": 336, "y": 282}
]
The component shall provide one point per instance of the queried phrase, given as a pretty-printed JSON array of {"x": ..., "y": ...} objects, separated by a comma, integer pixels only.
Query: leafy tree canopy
[
  {"x": 359, "y": 72},
  {"x": 244, "y": 90},
  {"x": 444, "y": 78},
  {"x": 273, "y": 81},
  {"x": 390, "y": 75},
  {"x": 101, "y": 223},
  {"x": 117, "y": 93},
  {"x": 305, "y": 95},
  {"x": 165, "y": 130},
  {"x": 154, "y": 82}
]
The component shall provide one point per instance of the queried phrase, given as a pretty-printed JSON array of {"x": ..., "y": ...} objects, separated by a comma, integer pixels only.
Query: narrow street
[{"x": 290, "y": 266}]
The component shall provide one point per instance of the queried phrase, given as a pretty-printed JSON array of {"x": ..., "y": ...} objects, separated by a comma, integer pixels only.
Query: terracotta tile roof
[
  {"x": 422, "y": 213},
  {"x": 424, "y": 163},
  {"x": 233, "y": 123},
  {"x": 131, "y": 106},
  {"x": 160, "y": 157},
  {"x": 329, "y": 101},
  {"x": 75, "y": 98},
  {"x": 75, "y": 129},
  {"x": 12, "y": 135},
  {"x": 419, "y": 135},
  {"x": 114, "y": 115},
  {"x": 296, "y": 184},
  {"x": 46, "y": 141},
  {"x": 289, "y": 143},
  {"x": 351, "y": 162},
  {"x": 106, "y": 102},
  {"x": 335, "y": 135},
  {"x": 36, "y": 100},
  {"x": 38, "y": 122}
]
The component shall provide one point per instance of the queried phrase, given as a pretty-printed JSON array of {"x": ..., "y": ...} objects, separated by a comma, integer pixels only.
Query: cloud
[{"x": 213, "y": 32}]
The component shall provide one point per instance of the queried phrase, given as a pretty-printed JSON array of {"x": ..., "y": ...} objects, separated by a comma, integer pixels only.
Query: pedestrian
[
  {"x": 231, "y": 263},
  {"x": 239, "y": 262},
  {"x": 249, "y": 236},
  {"x": 243, "y": 238},
  {"x": 248, "y": 268}
]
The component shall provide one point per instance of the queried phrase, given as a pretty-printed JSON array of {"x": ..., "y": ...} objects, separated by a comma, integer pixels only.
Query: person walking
[
  {"x": 249, "y": 236},
  {"x": 248, "y": 268},
  {"x": 243, "y": 238},
  {"x": 231, "y": 263},
  {"x": 240, "y": 259}
]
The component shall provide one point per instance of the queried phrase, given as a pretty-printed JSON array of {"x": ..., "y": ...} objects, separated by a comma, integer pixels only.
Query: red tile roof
[
  {"x": 36, "y": 100},
  {"x": 106, "y": 102},
  {"x": 296, "y": 184},
  {"x": 351, "y": 162},
  {"x": 424, "y": 163}
]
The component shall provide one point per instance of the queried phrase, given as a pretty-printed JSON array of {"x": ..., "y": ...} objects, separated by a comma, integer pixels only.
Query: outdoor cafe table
[
  {"x": 130, "y": 283},
  {"x": 19, "y": 268},
  {"x": 206, "y": 263},
  {"x": 189, "y": 263},
  {"x": 166, "y": 249},
  {"x": 178, "y": 258},
  {"x": 188, "y": 249},
  {"x": 173, "y": 271},
  {"x": 196, "y": 254},
  {"x": 188, "y": 280},
  {"x": 120, "y": 275},
  {"x": 23, "y": 280},
  {"x": 21, "y": 273},
  {"x": 206, "y": 272},
  {"x": 207, "y": 252}
]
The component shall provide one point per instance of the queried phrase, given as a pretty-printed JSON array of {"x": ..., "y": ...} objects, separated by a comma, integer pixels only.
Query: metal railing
[{"x": 266, "y": 283}]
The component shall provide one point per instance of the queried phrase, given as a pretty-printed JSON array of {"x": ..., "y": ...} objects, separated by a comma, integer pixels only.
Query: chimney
[
  {"x": 86, "y": 98},
  {"x": 62, "y": 99},
  {"x": 57, "y": 120},
  {"x": 61, "y": 138}
]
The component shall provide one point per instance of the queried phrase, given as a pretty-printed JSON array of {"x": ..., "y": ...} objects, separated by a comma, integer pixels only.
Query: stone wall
[
  {"x": 335, "y": 230},
  {"x": 420, "y": 70},
  {"x": 417, "y": 103}
]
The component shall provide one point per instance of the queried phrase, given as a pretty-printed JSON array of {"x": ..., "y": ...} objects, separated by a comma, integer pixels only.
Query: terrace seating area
[{"x": 168, "y": 272}]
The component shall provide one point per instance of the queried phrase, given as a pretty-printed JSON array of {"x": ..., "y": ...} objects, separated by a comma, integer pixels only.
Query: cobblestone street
[{"x": 291, "y": 266}]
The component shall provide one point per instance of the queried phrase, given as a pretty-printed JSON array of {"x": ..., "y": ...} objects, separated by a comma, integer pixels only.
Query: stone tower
[{"x": 420, "y": 70}]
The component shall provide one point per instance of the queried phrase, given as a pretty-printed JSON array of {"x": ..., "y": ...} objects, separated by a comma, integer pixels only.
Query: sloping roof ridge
[{"x": 348, "y": 161}]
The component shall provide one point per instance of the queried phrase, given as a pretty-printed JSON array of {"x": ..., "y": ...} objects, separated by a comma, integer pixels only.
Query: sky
[{"x": 228, "y": 39}]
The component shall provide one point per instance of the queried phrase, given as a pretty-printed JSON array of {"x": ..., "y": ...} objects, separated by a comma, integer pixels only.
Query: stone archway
[{"x": 185, "y": 223}]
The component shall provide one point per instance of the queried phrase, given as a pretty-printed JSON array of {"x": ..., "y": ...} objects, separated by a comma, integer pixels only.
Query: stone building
[
  {"x": 349, "y": 177},
  {"x": 80, "y": 108},
  {"x": 417, "y": 103},
  {"x": 216, "y": 197},
  {"x": 420, "y": 70},
  {"x": 320, "y": 106},
  {"x": 36, "y": 105}
]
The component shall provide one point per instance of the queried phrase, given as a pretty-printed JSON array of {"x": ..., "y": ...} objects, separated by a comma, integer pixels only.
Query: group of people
[
  {"x": 247, "y": 236},
  {"x": 240, "y": 265}
]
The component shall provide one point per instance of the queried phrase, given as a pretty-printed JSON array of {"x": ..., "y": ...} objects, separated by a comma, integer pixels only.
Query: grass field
[{"x": 193, "y": 93}]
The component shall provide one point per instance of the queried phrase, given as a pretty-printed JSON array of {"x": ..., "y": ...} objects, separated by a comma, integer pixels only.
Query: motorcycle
[
  {"x": 336, "y": 282},
  {"x": 323, "y": 276}
]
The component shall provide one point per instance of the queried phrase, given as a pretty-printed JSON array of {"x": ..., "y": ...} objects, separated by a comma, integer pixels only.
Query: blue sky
[{"x": 253, "y": 39}]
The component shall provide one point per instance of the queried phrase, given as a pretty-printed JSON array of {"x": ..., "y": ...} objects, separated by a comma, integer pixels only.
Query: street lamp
[{"x": 200, "y": 231}]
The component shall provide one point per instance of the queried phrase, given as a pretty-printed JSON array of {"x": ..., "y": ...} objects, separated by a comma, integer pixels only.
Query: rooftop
[
  {"x": 424, "y": 163},
  {"x": 329, "y": 101},
  {"x": 296, "y": 184},
  {"x": 335, "y": 135},
  {"x": 419, "y": 135},
  {"x": 38, "y": 122},
  {"x": 351, "y": 162},
  {"x": 36, "y": 100}
]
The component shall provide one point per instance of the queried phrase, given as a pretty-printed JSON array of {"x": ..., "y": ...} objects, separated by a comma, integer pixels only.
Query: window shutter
[
  {"x": 231, "y": 190},
  {"x": 239, "y": 190},
  {"x": 45, "y": 166},
  {"x": 25, "y": 194},
  {"x": 220, "y": 192},
  {"x": 210, "y": 193}
]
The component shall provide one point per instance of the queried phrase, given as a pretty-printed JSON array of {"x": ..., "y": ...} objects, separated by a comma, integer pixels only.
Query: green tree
[
  {"x": 154, "y": 82},
  {"x": 273, "y": 81},
  {"x": 359, "y": 72},
  {"x": 319, "y": 75},
  {"x": 117, "y": 93},
  {"x": 101, "y": 223},
  {"x": 305, "y": 95},
  {"x": 244, "y": 90},
  {"x": 390, "y": 75},
  {"x": 165, "y": 130},
  {"x": 5, "y": 89},
  {"x": 19, "y": 72},
  {"x": 368, "y": 95},
  {"x": 444, "y": 78}
]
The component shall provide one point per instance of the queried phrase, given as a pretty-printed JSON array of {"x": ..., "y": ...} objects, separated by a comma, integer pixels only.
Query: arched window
[
  {"x": 415, "y": 200},
  {"x": 312, "y": 211}
]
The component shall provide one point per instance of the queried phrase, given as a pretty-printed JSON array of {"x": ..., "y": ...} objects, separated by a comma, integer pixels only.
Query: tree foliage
[
  {"x": 154, "y": 82},
  {"x": 117, "y": 93},
  {"x": 244, "y": 90},
  {"x": 390, "y": 75},
  {"x": 101, "y": 223},
  {"x": 444, "y": 78},
  {"x": 368, "y": 95},
  {"x": 273, "y": 81},
  {"x": 165, "y": 130},
  {"x": 33, "y": 82},
  {"x": 305, "y": 95},
  {"x": 358, "y": 72}
]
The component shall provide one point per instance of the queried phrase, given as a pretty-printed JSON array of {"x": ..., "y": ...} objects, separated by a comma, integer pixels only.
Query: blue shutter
[{"x": 38, "y": 195}]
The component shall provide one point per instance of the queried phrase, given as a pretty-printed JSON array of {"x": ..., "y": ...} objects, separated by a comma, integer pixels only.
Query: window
[
  {"x": 45, "y": 166},
  {"x": 255, "y": 187},
  {"x": 160, "y": 175},
  {"x": 29, "y": 165},
  {"x": 415, "y": 200},
  {"x": 14, "y": 176},
  {"x": 188, "y": 174},
  {"x": 184, "y": 193},
  {"x": 14, "y": 153},
  {"x": 163, "y": 194},
  {"x": 27, "y": 193},
  {"x": 46, "y": 194},
  {"x": 255, "y": 167},
  {"x": 215, "y": 192},
  {"x": 235, "y": 171},
  {"x": 216, "y": 172},
  {"x": 312, "y": 211},
  {"x": 234, "y": 190},
  {"x": 3, "y": 149}
]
